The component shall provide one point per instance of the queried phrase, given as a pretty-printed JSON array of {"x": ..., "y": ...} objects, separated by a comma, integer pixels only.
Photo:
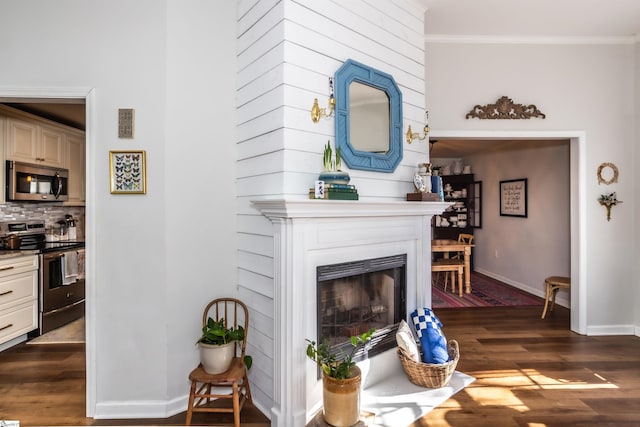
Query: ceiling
[
  {"x": 533, "y": 18},
  {"x": 68, "y": 112},
  {"x": 458, "y": 148}
]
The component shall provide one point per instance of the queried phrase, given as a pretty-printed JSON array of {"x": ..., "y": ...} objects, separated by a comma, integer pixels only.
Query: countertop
[{"x": 8, "y": 253}]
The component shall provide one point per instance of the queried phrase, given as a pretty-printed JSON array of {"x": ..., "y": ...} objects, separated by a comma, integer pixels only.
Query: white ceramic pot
[{"x": 216, "y": 359}]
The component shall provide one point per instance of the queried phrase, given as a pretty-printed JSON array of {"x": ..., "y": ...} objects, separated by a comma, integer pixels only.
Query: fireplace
[
  {"x": 309, "y": 234},
  {"x": 354, "y": 297}
]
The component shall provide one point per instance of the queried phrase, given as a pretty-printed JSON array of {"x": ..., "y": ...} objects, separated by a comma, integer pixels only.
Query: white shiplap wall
[{"x": 287, "y": 50}]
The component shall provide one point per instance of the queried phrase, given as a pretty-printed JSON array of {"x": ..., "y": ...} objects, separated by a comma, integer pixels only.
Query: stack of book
[{"x": 337, "y": 192}]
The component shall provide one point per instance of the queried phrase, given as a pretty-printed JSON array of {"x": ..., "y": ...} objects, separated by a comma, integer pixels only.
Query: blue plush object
[{"x": 432, "y": 340}]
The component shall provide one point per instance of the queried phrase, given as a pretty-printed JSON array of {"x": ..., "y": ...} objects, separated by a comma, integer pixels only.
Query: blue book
[{"x": 436, "y": 186}]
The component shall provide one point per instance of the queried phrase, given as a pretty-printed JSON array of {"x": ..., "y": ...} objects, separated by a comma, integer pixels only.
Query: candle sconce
[
  {"x": 317, "y": 112},
  {"x": 609, "y": 200},
  {"x": 412, "y": 136}
]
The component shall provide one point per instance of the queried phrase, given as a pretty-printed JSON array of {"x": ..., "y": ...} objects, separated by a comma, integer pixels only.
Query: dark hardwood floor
[
  {"x": 529, "y": 372},
  {"x": 537, "y": 373}
]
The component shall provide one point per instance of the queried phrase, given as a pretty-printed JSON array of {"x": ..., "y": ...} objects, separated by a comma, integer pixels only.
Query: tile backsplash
[{"x": 49, "y": 212}]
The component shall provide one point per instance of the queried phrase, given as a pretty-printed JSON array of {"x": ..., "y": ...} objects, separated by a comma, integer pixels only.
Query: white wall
[
  {"x": 580, "y": 88},
  {"x": 154, "y": 260},
  {"x": 286, "y": 52}
]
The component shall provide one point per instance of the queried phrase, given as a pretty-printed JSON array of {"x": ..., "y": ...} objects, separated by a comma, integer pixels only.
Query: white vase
[
  {"x": 457, "y": 167},
  {"x": 216, "y": 359}
]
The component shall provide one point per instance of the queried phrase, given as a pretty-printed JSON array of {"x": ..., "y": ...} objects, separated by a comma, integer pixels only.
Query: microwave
[{"x": 36, "y": 183}]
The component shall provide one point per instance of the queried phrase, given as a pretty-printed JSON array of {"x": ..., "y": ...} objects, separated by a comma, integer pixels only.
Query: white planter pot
[{"x": 216, "y": 359}]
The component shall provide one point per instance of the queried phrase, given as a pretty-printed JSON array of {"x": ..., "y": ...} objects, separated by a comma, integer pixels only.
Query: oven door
[{"x": 60, "y": 301}]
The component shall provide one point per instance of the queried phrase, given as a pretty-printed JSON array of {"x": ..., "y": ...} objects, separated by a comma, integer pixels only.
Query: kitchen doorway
[{"x": 50, "y": 97}]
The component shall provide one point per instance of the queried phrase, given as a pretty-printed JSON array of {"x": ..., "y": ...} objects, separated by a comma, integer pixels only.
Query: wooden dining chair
[
  {"x": 231, "y": 385},
  {"x": 463, "y": 238},
  {"x": 450, "y": 267}
]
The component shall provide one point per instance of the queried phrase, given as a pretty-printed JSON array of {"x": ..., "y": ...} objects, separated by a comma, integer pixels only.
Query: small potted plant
[
  {"x": 331, "y": 167},
  {"x": 341, "y": 380},
  {"x": 218, "y": 346}
]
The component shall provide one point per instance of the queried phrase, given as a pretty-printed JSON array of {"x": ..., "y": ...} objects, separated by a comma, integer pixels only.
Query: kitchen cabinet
[
  {"x": 32, "y": 139},
  {"x": 34, "y": 143},
  {"x": 75, "y": 160},
  {"x": 18, "y": 296}
]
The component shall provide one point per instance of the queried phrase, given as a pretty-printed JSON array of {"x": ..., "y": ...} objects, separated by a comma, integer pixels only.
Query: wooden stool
[
  {"x": 553, "y": 283},
  {"x": 450, "y": 266}
]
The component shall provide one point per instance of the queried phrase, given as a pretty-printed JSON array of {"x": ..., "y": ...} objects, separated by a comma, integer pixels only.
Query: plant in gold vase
[{"x": 341, "y": 380}]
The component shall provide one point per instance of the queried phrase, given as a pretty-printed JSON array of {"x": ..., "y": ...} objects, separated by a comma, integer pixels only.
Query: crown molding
[{"x": 557, "y": 40}]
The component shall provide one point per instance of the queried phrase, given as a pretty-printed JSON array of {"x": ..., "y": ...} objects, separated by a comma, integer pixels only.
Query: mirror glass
[
  {"x": 369, "y": 127},
  {"x": 368, "y": 118}
]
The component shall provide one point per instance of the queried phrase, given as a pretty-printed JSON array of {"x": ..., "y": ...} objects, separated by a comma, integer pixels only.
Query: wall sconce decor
[
  {"x": 317, "y": 112},
  {"x": 411, "y": 136},
  {"x": 504, "y": 108},
  {"x": 609, "y": 200},
  {"x": 610, "y": 173}
]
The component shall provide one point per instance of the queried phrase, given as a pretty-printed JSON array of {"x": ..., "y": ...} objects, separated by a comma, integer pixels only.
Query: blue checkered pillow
[{"x": 432, "y": 340}]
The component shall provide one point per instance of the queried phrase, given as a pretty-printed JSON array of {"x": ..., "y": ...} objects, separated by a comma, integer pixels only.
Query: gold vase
[{"x": 341, "y": 399}]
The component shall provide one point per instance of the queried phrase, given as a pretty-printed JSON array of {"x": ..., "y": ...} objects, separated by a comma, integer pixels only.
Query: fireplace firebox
[{"x": 354, "y": 297}]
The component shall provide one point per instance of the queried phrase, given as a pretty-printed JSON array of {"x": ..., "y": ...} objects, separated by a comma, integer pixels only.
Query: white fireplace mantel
[
  {"x": 309, "y": 233},
  {"x": 311, "y": 208}
]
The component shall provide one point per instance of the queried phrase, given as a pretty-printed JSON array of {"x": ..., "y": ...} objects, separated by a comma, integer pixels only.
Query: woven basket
[{"x": 431, "y": 375}]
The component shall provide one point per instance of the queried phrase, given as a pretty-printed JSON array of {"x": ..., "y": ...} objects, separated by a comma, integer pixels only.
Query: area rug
[
  {"x": 72, "y": 332},
  {"x": 485, "y": 292}
]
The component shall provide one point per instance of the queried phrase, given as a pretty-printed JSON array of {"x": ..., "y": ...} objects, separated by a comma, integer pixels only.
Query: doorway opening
[
  {"x": 575, "y": 198},
  {"x": 72, "y": 107}
]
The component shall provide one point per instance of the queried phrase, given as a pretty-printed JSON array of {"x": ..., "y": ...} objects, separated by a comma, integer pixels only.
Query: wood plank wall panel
[{"x": 287, "y": 50}]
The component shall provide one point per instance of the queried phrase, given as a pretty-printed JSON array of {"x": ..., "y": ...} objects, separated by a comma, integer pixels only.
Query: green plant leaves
[
  {"x": 329, "y": 363},
  {"x": 216, "y": 333}
]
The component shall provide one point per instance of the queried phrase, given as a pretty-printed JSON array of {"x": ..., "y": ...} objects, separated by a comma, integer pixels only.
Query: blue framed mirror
[{"x": 368, "y": 118}]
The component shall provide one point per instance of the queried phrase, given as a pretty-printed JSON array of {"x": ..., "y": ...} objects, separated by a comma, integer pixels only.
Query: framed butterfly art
[{"x": 128, "y": 172}]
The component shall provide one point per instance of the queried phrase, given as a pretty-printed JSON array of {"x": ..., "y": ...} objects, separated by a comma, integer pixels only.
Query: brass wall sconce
[
  {"x": 413, "y": 136},
  {"x": 317, "y": 112},
  {"x": 609, "y": 200}
]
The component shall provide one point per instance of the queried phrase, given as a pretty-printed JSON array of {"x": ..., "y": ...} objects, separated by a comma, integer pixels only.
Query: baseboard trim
[
  {"x": 601, "y": 330},
  {"x": 561, "y": 299},
  {"x": 140, "y": 409}
]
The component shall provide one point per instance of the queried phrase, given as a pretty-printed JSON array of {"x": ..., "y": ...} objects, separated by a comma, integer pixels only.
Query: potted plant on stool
[
  {"x": 218, "y": 346},
  {"x": 341, "y": 380}
]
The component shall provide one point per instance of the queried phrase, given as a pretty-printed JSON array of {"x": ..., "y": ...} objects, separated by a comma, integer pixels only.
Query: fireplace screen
[{"x": 356, "y": 296}]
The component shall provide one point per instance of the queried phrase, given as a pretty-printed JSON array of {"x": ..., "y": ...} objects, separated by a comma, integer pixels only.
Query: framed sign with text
[{"x": 513, "y": 197}]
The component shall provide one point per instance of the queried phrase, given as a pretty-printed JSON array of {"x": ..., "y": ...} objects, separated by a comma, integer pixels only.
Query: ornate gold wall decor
[
  {"x": 613, "y": 173},
  {"x": 504, "y": 108}
]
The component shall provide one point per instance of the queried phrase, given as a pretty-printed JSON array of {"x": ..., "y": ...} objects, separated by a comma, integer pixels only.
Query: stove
[{"x": 61, "y": 288}]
